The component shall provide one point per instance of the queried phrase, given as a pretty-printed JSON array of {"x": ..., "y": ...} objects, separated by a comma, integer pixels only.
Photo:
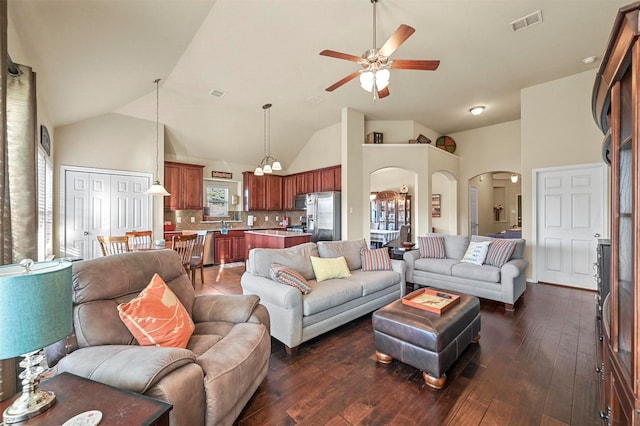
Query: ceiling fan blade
[
  {"x": 343, "y": 81},
  {"x": 383, "y": 93},
  {"x": 400, "y": 36},
  {"x": 414, "y": 64},
  {"x": 340, "y": 55}
]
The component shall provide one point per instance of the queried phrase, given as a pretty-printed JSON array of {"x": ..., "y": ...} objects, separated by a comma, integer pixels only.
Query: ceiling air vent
[
  {"x": 527, "y": 21},
  {"x": 217, "y": 93}
]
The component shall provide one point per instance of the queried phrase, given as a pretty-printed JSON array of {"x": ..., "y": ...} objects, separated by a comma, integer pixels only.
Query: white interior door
[
  {"x": 570, "y": 210},
  {"x": 473, "y": 210},
  {"x": 101, "y": 203}
]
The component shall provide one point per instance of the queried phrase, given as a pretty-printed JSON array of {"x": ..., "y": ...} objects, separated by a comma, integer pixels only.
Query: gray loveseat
[
  {"x": 209, "y": 382},
  {"x": 503, "y": 284},
  {"x": 297, "y": 317}
]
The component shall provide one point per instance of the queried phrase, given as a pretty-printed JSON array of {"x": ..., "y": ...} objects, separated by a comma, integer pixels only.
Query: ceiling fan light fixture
[
  {"x": 477, "y": 110},
  {"x": 382, "y": 78},
  {"x": 366, "y": 80}
]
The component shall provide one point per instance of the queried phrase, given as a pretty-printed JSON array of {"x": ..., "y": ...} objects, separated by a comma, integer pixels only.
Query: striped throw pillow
[
  {"x": 289, "y": 276},
  {"x": 500, "y": 252},
  {"x": 376, "y": 260},
  {"x": 432, "y": 247}
]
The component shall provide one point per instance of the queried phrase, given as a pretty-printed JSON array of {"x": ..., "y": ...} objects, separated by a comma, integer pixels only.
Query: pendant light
[
  {"x": 157, "y": 189},
  {"x": 268, "y": 163}
]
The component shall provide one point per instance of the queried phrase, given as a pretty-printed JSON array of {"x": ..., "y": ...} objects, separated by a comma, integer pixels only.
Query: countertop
[{"x": 276, "y": 233}]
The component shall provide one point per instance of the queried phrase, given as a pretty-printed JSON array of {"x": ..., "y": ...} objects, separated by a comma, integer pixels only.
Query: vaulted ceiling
[{"x": 99, "y": 56}]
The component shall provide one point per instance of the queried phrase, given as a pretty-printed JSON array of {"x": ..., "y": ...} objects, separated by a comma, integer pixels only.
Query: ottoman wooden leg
[
  {"x": 383, "y": 358},
  {"x": 434, "y": 382},
  {"x": 476, "y": 339}
]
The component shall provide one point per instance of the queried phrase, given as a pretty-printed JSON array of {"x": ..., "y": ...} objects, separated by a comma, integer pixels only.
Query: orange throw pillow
[{"x": 156, "y": 317}]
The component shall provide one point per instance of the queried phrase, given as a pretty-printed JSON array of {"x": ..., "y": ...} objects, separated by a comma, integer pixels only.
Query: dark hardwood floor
[{"x": 531, "y": 367}]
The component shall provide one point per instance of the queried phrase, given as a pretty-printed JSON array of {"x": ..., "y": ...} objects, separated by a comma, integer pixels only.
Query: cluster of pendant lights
[{"x": 268, "y": 164}]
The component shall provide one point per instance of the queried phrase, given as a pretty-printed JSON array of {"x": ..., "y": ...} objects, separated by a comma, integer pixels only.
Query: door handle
[
  {"x": 85, "y": 233},
  {"x": 596, "y": 235}
]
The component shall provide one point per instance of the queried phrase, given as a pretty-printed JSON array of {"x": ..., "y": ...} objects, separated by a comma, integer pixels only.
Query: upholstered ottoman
[{"x": 427, "y": 341}]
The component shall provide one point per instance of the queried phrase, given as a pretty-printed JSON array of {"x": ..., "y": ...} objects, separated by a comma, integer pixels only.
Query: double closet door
[{"x": 97, "y": 202}]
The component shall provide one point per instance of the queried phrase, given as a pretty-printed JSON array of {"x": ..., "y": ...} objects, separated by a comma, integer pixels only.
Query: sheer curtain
[{"x": 18, "y": 180}]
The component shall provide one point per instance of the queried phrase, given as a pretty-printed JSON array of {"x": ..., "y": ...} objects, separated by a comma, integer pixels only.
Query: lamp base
[
  {"x": 28, "y": 405},
  {"x": 33, "y": 400}
]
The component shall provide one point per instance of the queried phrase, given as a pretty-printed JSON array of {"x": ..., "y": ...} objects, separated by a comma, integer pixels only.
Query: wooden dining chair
[
  {"x": 197, "y": 258},
  {"x": 183, "y": 244},
  {"x": 140, "y": 239},
  {"x": 113, "y": 244}
]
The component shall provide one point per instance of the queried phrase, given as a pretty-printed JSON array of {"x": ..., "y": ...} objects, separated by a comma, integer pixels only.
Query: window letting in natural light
[
  {"x": 45, "y": 206},
  {"x": 218, "y": 200}
]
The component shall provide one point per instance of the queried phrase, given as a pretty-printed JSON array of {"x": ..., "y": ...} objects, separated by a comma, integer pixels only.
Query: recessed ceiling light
[
  {"x": 217, "y": 93},
  {"x": 589, "y": 59},
  {"x": 477, "y": 110}
]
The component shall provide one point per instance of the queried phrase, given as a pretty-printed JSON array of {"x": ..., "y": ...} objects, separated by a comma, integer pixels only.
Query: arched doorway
[
  {"x": 495, "y": 203},
  {"x": 387, "y": 217},
  {"x": 444, "y": 196}
]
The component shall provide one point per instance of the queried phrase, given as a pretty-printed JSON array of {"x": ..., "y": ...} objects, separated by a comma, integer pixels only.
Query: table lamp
[{"x": 35, "y": 311}]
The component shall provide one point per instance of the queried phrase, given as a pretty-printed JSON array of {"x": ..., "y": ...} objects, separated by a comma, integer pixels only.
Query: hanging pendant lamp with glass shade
[
  {"x": 268, "y": 163},
  {"x": 157, "y": 188}
]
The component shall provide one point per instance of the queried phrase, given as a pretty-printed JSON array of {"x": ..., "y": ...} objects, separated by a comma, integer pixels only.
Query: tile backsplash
[{"x": 193, "y": 219}]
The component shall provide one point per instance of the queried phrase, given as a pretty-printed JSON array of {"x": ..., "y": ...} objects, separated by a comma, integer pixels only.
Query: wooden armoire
[{"x": 616, "y": 109}]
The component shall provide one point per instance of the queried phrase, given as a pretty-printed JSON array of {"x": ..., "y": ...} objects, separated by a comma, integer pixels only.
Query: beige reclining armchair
[{"x": 209, "y": 382}]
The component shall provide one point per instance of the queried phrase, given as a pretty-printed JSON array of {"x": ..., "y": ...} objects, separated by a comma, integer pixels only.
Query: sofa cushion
[
  {"x": 156, "y": 317},
  {"x": 376, "y": 260},
  {"x": 432, "y": 247},
  {"x": 372, "y": 282},
  {"x": 454, "y": 245},
  {"x": 476, "y": 252},
  {"x": 289, "y": 276},
  {"x": 471, "y": 271},
  {"x": 500, "y": 252},
  {"x": 350, "y": 249},
  {"x": 436, "y": 266},
  {"x": 296, "y": 257},
  {"x": 328, "y": 294},
  {"x": 330, "y": 268}
]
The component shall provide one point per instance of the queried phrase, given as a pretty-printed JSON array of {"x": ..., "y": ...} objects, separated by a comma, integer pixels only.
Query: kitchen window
[{"x": 217, "y": 200}]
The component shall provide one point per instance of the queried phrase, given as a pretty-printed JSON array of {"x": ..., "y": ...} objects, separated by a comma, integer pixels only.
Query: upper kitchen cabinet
[
  {"x": 262, "y": 192},
  {"x": 184, "y": 183},
  {"x": 288, "y": 192}
]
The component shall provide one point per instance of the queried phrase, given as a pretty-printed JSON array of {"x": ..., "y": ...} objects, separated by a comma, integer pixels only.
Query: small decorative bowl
[{"x": 407, "y": 244}]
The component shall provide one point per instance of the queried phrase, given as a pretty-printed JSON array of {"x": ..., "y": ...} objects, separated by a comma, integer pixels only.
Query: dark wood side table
[
  {"x": 75, "y": 395},
  {"x": 398, "y": 253}
]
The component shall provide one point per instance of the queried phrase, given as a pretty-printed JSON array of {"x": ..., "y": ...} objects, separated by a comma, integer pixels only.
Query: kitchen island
[{"x": 273, "y": 238}]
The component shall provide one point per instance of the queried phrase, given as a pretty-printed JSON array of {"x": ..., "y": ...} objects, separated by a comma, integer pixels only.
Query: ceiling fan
[{"x": 374, "y": 75}]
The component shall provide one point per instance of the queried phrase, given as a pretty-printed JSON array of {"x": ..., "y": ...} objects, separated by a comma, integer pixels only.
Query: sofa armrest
[
  {"x": 400, "y": 267},
  {"x": 134, "y": 368},
  {"x": 513, "y": 269},
  {"x": 272, "y": 292},
  {"x": 410, "y": 258},
  {"x": 232, "y": 308}
]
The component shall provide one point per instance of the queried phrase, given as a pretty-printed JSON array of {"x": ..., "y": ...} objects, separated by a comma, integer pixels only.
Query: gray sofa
[
  {"x": 209, "y": 382},
  {"x": 297, "y": 317},
  {"x": 505, "y": 284}
]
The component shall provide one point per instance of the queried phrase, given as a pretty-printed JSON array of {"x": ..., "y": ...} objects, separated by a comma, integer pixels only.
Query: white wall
[
  {"x": 322, "y": 150},
  {"x": 399, "y": 131}
]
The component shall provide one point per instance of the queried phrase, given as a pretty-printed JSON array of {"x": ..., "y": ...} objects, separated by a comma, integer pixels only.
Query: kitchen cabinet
[
  {"x": 262, "y": 192},
  {"x": 228, "y": 247},
  {"x": 184, "y": 183},
  {"x": 288, "y": 192},
  {"x": 616, "y": 111}
]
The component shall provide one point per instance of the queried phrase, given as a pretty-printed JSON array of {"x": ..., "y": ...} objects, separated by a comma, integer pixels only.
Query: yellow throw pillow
[
  {"x": 156, "y": 317},
  {"x": 326, "y": 268}
]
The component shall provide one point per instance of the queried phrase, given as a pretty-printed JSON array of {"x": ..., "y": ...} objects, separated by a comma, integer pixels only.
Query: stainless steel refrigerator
[{"x": 323, "y": 216}]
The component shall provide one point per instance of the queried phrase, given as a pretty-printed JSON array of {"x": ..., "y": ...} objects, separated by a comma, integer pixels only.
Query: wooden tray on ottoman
[{"x": 428, "y": 299}]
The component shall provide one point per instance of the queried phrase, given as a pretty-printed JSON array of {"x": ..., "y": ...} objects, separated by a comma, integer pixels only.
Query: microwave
[{"x": 300, "y": 202}]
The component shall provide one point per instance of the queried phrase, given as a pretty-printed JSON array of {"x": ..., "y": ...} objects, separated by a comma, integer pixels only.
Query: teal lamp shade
[{"x": 35, "y": 307}]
